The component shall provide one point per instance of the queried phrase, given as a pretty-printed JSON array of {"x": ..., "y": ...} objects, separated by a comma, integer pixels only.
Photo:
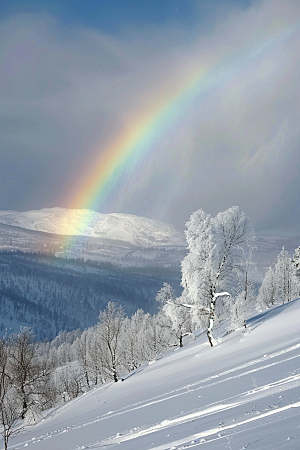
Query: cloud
[{"x": 66, "y": 92}]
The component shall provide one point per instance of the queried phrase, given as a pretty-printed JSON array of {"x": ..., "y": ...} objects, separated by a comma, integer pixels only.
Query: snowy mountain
[
  {"x": 241, "y": 394},
  {"x": 134, "y": 230},
  {"x": 122, "y": 239}
]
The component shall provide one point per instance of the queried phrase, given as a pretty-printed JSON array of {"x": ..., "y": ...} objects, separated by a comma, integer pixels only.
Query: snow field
[{"x": 243, "y": 393}]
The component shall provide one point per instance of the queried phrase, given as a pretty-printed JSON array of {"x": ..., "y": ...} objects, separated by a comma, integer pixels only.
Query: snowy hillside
[
  {"x": 134, "y": 230},
  {"x": 244, "y": 393}
]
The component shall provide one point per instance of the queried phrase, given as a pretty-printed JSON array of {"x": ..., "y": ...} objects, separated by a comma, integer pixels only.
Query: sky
[{"x": 151, "y": 108}]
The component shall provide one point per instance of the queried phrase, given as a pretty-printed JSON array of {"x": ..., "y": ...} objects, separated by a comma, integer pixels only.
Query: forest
[{"x": 49, "y": 294}]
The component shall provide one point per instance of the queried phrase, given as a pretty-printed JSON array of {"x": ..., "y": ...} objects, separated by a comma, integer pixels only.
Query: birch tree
[
  {"x": 296, "y": 261},
  {"x": 134, "y": 340},
  {"x": 286, "y": 278},
  {"x": 216, "y": 250},
  {"x": 28, "y": 375},
  {"x": 81, "y": 349},
  {"x": 280, "y": 284},
  {"x": 244, "y": 293},
  {"x": 10, "y": 405},
  {"x": 179, "y": 315},
  {"x": 110, "y": 328}
]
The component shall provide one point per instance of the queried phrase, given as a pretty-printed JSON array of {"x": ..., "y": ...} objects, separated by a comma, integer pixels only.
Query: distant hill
[
  {"x": 134, "y": 230},
  {"x": 124, "y": 240}
]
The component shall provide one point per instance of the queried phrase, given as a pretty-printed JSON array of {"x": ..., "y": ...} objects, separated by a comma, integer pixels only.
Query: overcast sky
[{"x": 75, "y": 74}]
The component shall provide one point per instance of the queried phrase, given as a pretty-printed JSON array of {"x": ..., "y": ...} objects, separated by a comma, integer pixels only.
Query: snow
[
  {"x": 132, "y": 229},
  {"x": 241, "y": 394}
]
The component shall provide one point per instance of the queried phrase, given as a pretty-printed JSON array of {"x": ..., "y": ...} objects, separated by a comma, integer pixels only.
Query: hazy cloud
[{"x": 66, "y": 92}]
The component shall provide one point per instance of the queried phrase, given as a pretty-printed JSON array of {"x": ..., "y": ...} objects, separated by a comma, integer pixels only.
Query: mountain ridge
[{"x": 139, "y": 231}]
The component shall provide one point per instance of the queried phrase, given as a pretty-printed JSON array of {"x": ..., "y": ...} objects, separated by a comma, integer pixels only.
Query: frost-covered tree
[
  {"x": 10, "y": 405},
  {"x": 217, "y": 248},
  {"x": 243, "y": 293},
  {"x": 158, "y": 336},
  {"x": 267, "y": 291},
  {"x": 296, "y": 261},
  {"x": 95, "y": 357},
  {"x": 179, "y": 315},
  {"x": 280, "y": 284},
  {"x": 110, "y": 331},
  {"x": 68, "y": 380},
  {"x": 287, "y": 282},
  {"x": 28, "y": 371},
  {"x": 134, "y": 340},
  {"x": 239, "y": 308},
  {"x": 10, "y": 411},
  {"x": 82, "y": 352}
]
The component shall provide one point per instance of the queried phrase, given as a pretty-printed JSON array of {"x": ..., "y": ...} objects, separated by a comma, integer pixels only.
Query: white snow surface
[
  {"x": 132, "y": 229},
  {"x": 244, "y": 393}
]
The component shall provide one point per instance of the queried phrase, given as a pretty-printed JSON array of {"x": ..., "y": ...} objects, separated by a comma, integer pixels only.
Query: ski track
[
  {"x": 240, "y": 399},
  {"x": 216, "y": 433}
]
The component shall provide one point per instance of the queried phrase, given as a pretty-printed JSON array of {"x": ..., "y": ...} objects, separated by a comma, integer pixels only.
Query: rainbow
[
  {"x": 132, "y": 145},
  {"x": 135, "y": 142}
]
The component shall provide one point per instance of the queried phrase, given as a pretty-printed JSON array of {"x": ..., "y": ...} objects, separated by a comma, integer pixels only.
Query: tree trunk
[
  {"x": 211, "y": 319},
  {"x": 209, "y": 331},
  {"x": 214, "y": 298},
  {"x": 5, "y": 438},
  {"x": 115, "y": 374},
  {"x": 87, "y": 378},
  {"x": 180, "y": 341},
  {"x": 25, "y": 405}
]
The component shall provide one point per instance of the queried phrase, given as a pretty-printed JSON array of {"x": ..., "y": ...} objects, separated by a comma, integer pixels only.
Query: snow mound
[{"x": 135, "y": 230}]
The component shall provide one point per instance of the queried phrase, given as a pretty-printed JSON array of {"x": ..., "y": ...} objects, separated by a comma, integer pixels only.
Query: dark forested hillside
[{"x": 49, "y": 294}]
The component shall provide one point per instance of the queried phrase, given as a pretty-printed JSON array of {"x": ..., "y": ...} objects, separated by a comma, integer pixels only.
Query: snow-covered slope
[
  {"x": 244, "y": 393},
  {"x": 135, "y": 230}
]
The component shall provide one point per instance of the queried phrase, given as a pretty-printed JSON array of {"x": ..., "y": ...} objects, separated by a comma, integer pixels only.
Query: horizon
[{"x": 282, "y": 232}]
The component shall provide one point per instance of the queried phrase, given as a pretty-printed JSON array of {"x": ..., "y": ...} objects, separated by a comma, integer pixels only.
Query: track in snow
[{"x": 215, "y": 408}]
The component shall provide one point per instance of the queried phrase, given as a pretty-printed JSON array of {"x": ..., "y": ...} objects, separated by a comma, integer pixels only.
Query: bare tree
[
  {"x": 81, "y": 348},
  {"x": 28, "y": 372},
  {"x": 95, "y": 356},
  {"x": 10, "y": 408},
  {"x": 178, "y": 314},
  {"x": 68, "y": 380},
  {"x": 110, "y": 330}
]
